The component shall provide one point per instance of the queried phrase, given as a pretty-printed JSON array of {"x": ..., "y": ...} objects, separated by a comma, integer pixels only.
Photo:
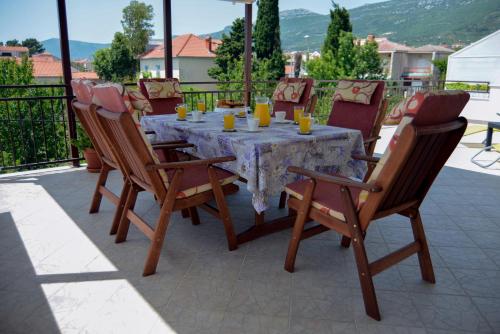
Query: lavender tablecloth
[{"x": 262, "y": 158}]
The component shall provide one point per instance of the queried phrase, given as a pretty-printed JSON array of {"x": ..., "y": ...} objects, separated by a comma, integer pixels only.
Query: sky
[{"x": 98, "y": 20}]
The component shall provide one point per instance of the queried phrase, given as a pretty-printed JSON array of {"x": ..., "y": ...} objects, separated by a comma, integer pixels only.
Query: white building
[
  {"x": 402, "y": 62},
  {"x": 477, "y": 63},
  {"x": 192, "y": 57},
  {"x": 13, "y": 51}
]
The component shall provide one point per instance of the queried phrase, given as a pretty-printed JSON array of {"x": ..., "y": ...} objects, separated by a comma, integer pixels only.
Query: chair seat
[
  {"x": 326, "y": 197},
  {"x": 195, "y": 180}
]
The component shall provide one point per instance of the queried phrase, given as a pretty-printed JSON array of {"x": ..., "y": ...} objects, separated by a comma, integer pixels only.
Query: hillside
[
  {"x": 77, "y": 49},
  {"x": 415, "y": 22}
]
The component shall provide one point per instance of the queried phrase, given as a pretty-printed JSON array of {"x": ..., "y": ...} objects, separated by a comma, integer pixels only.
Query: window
[{"x": 146, "y": 68}]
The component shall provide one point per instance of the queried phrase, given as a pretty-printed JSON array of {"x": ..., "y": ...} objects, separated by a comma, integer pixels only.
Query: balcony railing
[{"x": 34, "y": 125}]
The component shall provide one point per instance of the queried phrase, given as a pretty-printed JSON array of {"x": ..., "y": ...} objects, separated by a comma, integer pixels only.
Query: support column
[
  {"x": 167, "y": 38},
  {"x": 248, "y": 53},
  {"x": 66, "y": 67}
]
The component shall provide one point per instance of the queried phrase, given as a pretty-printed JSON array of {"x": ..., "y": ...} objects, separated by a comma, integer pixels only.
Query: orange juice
[
  {"x": 262, "y": 113},
  {"x": 181, "y": 111},
  {"x": 228, "y": 122},
  {"x": 297, "y": 114},
  {"x": 305, "y": 124},
  {"x": 201, "y": 106}
]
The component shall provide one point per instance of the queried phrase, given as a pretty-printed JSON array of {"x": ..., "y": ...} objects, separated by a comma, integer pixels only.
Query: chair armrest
[
  {"x": 172, "y": 146},
  {"x": 371, "y": 139},
  {"x": 191, "y": 163},
  {"x": 335, "y": 179},
  {"x": 365, "y": 158}
]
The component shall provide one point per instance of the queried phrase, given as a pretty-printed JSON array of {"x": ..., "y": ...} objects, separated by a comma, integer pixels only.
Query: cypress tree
[
  {"x": 230, "y": 51},
  {"x": 267, "y": 29},
  {"x": 339, "y": 21}
]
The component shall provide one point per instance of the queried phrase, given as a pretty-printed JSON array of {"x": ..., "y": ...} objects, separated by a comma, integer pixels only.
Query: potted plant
[{"x": 84, "y": 145}]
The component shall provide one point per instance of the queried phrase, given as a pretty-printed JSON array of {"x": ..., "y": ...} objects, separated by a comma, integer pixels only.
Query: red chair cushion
[
  {"x": 326, "y": 197},
  {"x": 304, "y": 99},
  {"x": 160, "y": 106},
  {"x": 356, "y": 115},
  {"x": 195, "y": 180}
]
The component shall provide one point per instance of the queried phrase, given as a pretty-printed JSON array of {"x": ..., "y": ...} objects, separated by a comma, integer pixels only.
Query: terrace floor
[{"x": 60, "y": 271}]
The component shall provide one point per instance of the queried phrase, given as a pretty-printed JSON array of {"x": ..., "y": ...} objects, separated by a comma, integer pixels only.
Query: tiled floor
[{"x": 60, "y": 271}]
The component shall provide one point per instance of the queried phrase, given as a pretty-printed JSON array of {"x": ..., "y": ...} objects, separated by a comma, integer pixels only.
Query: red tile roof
[
  {"x": 13, "y": 49},
  {"x": 46, "y": 65},
  {"x": 385, "y": 45},
  {"x": 188, "y": 45},
  {"x": 434, "y": 48}
]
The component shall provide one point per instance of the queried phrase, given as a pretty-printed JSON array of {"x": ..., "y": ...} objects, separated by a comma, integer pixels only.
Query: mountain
[
  {"x": 77, "y": 49},
  {"x": 414, "y": 22}
]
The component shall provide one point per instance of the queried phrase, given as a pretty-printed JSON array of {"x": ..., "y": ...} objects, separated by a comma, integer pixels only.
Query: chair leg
[
  {"x": 162, "y": 225},
  {"x": 119, "y": 208},
  {"x": 365, "y": 278},
  {"x": 293, "y": 246},
  {"x": 123, "y": 226},
  {"x": 101, "y": 181},
  {"x": 232, "y": 241},
  {"x": 358, "y": 245},
  {"x": 283, "y": 197},
  {"x": 195, "y": 218},
  {"x": 185, "y": 213},
  {"x": 298, "y": 227},
  {"x": 424, "y": 256},
  {"x": 158, "y": 238}
]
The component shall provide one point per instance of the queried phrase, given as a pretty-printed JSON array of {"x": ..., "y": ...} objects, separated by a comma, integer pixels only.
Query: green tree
[
  {"x": 231, "y": 50},
  {"x": 33, "y": 45},
  {"x": 13, "y": 42},
  {"x": 267, "y": 29},
  {"x": 442, "y": 66},
  {"x": 368, "y": 62},
  {"x": 116, "y": 63},
  {"x": 346, "y": 55},
  {"x": 1, "y": 43},
  {"x": 137, "y": 26},
  {"x": 339, "y": 21}
]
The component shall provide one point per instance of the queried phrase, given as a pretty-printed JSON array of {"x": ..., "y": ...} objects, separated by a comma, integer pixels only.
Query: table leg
[
  {"x": 489, "y": 137},
  {"x": 262, "y": 228}
]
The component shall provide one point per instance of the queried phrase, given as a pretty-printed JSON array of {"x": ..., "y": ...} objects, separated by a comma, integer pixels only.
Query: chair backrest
[
  {"x": 423, "y": 142},
  {"x": 128, "y": 142},
  {"x": 85, "y": 110},
  {"x": 359, "y": 116},
  {"x": 160, "y": 106},
  {"x": 304, "y": 99}
]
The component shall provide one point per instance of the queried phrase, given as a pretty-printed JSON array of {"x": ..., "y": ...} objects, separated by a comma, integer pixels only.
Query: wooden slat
[
  {"x": 141, "y": 224},
  {"x": 109, "y": 195},
  {"x": 394, "y": 257}
]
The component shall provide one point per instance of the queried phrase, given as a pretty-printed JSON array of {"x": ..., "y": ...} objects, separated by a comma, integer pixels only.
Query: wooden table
[{"x": 262, "y": 158}]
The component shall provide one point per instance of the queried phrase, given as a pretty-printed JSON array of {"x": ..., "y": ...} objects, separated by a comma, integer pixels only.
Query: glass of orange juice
[
  {"x": 298, "y": 111},
  {"x": 229, "y": 121},
  {"x": 181, "y": 109},
  {"x": 305, "y": 124},
  {"x": 262, "y": 110},
  {"x": 202, "y": 106}
]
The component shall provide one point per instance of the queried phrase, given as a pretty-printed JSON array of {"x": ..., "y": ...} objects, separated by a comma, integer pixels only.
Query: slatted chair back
[
  {"x": 305, "y": 98},
  {"x": 85, "y": 111},
  {"x": 417, "y": 152},
  {"x": 364, "y": 117},
  {"x": 160, "y": 106},
  {"x": 129, "y": 143}
]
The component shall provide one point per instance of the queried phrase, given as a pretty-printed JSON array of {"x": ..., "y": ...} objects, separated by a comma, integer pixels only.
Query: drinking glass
[
  {"x": 181, "y": 111},
  {"x": 298, "y": 111},
  {"x": 228, "y": 121},
  {"x": 305, "y": 123},
  {"x": 202, "y": 106}
]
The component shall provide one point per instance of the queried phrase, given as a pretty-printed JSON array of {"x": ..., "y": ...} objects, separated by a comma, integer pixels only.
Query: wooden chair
[
  {"x": 364, "y": 117},
  {"x": 160, "y": 106},
  {"x": 85, "y": 110},
  {"x": 308, "y": 99},
  {"x": 421, "y": 146},
  {"x": 176, "y": 185}
]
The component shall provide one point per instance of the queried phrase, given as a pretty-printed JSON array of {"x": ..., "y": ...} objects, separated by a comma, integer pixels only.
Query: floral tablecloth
[{"x": 263, "y": 157}]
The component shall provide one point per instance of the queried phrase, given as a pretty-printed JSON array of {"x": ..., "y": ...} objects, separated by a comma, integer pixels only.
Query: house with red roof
[
  {"x": 402, "y": 62},
  {"x": 192, "y": 57},
  {"x": 47, "y": 68},
  {"x": 13, "y": 51}
]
